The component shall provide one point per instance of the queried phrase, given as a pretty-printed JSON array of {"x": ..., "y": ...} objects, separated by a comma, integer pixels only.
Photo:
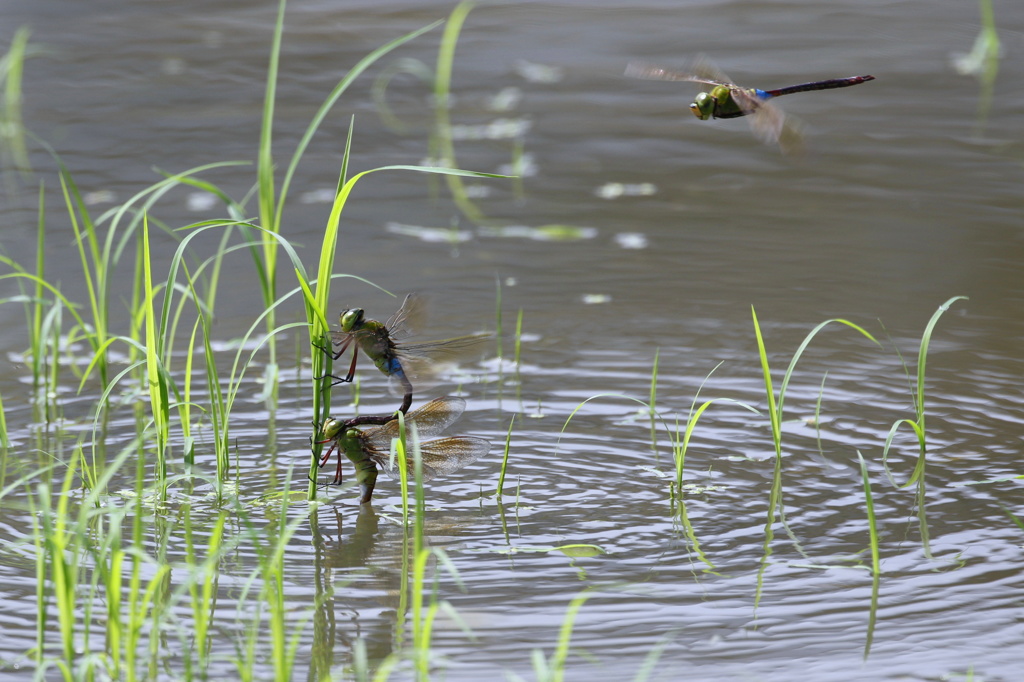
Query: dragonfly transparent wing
[
  {"x": 436, "y": 416},
  {"x": 430, "y": 419},
  {"x": 769, "y": 124},
  {"x": 708, "y": 72},
  {"x": 441, "y": 456},
  {"x": 656, "y": 73},
  {"x": 409, "y": 317},
  {"x": 445, "y": 455},
  {"x": 425, "y": 363}
]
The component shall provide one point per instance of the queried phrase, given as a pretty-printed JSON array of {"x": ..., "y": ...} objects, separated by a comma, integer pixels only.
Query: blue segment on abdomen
[
  {"x": 762, "y": 94},
  {"x": 395, "y": 368}
]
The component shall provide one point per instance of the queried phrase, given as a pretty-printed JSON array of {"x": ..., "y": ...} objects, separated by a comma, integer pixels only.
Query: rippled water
[{"x": 903, "y": 201}]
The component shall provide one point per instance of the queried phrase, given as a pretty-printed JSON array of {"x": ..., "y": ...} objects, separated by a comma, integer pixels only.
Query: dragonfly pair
[
  {"x": 369, "y": 448},
  {"x": 725, "y": 99},
  {"x": 403, "y": 364}
]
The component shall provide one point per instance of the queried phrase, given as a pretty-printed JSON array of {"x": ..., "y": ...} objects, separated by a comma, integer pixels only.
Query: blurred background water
[{"x": 668, "y": 230}]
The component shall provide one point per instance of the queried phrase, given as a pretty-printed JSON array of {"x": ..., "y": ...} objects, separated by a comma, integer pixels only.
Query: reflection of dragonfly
[
  {"x": 371, "y": 447},
  {"x": 380, "y": 342},
  {"x": 727, "y": 100}
]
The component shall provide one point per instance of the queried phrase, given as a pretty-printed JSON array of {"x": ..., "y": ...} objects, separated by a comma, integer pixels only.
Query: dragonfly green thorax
[
  {"x": 716, "y": 103},
  {"x": 406, "y": 364},
  {"x": 374, "y": 338},
  {"x": 369, "y": 448}
]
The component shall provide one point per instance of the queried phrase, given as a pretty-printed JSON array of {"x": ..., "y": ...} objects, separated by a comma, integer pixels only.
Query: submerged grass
[{"x": 775, "y": 413}]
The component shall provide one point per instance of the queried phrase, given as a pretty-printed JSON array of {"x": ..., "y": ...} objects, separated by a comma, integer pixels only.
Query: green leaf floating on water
[
  {"x": 543, "y": 233},
  {"x": 273, "y": 499},
  {"x": 574, "y": 551},
  {"x": 580, "y": 550}
]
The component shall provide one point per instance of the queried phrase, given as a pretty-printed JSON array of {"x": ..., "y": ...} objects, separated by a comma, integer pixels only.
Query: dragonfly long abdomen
[
  {"x": 816, "y": 85},
  {"x": 366, "y": 469}
]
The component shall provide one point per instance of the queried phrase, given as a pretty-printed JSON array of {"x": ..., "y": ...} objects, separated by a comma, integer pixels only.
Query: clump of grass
[
  {"x": 775, "y": 412},
  {"x": 917, "y": 424},
  {"x": 680, "y": 445},
  {"x": 439, "y": 78},
  {"x": 12, "y": 129},
  {"x": 982, "y": 62},
  {"x": 681, "y": 439}
]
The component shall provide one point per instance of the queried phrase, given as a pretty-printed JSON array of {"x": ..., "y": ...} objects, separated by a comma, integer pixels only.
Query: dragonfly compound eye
[
  {"x": 351, "y": 318},
  {"x": 703, "y": 106},
  {"x": 331, "y": 428}
]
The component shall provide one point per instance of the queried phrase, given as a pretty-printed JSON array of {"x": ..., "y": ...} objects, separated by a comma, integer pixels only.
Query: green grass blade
[
  {"x": 157, "y": 384},
  {"x": 922, "y": 355},
  {"x": 12, "y": 131},
  {"x": 803, "y": 346},
  {"x": 442, "y": 145},
  {"x": 561, "y": 654},
  {"x": 504, "y": 459},
  {"x": 329, "y": 103},
  {"x": 265, "y": 165},
  {"x": 773, "y": 414},
  {"x": 872, "y": 520}
]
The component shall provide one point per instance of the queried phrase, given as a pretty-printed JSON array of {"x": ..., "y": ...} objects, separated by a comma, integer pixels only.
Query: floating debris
[
  {"x": 318, "y": 196},
  {"x": 213, "y": 39},
  {"x": 506, "y": 99},
  {"x": 697, "y": 489},
  {"x": 615, "y": 190},
  {"x": 430, "y": 162},
  {"x": 103, "y": 196},
  {"x": 522, "y": 167},
  {"x": 596, "y": 299},
  {"x": 498, "y": 129},
  {"x": 443, "y": 235},
  {"x": 631, "y": 240},
  {"x": 201, "y": 201},
  {"x": 477, "y": 191},
  {"x": 539, "y": 73},
  {"x": 544, "y": 233},
  {"x": 173, "y": 66}
]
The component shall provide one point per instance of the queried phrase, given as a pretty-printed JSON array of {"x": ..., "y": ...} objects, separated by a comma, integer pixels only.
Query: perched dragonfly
[
  {"x": 725, "y": 99},
  {"x": 371, "y": 447},
  {"x": 381, "y": 342}
]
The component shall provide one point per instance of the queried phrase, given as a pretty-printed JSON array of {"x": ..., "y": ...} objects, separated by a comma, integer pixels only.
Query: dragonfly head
[
  {"x": 703, "y": 106},
  {"x": 331, "y": 428},
  {"x": 350, "y": 319}
]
